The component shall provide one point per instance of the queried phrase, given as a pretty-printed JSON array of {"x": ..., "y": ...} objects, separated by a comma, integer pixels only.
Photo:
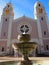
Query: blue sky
[{"x": 23, "y": 7}]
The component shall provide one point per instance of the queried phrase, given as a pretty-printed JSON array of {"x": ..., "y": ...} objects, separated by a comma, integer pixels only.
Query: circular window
[
  {"x": 24, "y": 28},
  {"x": 39, "y": 4},
  {"x": 8, "y": 5}
]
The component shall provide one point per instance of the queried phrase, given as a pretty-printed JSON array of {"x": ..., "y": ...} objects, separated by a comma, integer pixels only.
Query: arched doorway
[
  {"x": 36, "y": 52},
  {"x": 12, "y": 51}
]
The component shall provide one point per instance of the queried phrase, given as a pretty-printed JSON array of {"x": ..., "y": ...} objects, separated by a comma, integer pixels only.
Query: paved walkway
[{"x": 3, "y": 59}]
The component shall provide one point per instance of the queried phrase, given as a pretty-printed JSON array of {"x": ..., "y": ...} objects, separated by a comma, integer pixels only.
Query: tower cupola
[{"x": 39, "y": 9}]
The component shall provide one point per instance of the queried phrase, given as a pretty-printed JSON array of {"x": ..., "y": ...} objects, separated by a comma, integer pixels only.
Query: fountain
[{"x": 25, "y": 47}]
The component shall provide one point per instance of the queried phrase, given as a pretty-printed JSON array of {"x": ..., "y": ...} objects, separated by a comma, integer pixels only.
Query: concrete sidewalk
[{"x": 4, "y": 59}]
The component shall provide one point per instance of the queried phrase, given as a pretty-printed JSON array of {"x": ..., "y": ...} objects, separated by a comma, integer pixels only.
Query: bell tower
[
  {"x": 42, "y": 22},
  {"x": 6, "y": 23},
  {"x": 40, "y": 13}
]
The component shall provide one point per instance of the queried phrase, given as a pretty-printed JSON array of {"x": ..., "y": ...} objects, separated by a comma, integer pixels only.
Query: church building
[{"x": 10, "y": 28}]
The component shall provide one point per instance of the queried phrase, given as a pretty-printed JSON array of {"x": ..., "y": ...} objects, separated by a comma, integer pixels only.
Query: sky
[{"x": 23, "y": 7}]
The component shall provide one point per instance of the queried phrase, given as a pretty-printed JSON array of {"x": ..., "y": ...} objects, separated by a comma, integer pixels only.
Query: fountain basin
[
  {"x": 24, "y": 37},
  {"x": 25, "y": 47}
]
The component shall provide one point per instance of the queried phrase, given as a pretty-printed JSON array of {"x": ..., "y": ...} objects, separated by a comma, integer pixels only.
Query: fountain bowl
[
  {"x": 25, "y": 47},
  {"x": 24, "y": 37}
]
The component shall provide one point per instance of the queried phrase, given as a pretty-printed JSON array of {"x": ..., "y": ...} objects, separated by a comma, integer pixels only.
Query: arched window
[
  {"x": 42, "y": 18},
  {"x": 2, "y": 49},
  {"x": 40, "y": 10},
  {"x": 4, "y": 34},
  {"x": 6, "y": 19},
  {"x": 47, "y": 47},
  {"x": 44, "y": 32}
]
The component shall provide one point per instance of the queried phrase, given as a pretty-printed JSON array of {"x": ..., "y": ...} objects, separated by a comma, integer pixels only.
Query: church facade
[{"x": 38, "y": 28}]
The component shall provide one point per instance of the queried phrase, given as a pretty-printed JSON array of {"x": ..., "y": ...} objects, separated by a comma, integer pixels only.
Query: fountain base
[
  {"x": 25, "y": 47},
  {"x": 26, "y": 62}
]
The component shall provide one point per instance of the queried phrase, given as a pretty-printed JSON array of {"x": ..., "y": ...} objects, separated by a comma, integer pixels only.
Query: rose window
[{"x": 24, "y": 28}]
